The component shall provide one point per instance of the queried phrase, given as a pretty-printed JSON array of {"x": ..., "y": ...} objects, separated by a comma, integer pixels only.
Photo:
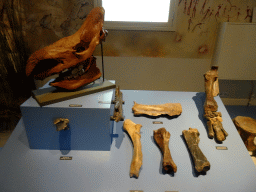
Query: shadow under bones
[
  {"x": 156, "y": 117},
  {"x": 199, "y": 100}
]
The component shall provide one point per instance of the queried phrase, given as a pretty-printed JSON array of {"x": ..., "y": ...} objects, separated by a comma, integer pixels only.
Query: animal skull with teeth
[{"x": 71, "y": 57}]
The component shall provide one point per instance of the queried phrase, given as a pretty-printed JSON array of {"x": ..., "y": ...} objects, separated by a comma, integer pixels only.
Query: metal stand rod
[{"x": 102, "y": 61}]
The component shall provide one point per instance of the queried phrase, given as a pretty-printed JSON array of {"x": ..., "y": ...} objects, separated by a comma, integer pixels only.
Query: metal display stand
[{"x": 24, "y": 169}]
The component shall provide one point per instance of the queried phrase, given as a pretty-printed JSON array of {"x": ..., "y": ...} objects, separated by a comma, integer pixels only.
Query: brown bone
[
  {"x": 73, "y": 53},
  {"x": 246, "y": 127},
  {"x": 118, "y": 109},
  {"x": 133, "y": 131},
  {"x": 170, "y": 109},
  {"x": 61, "y": 124},
  {"x": 192, "y": 139},
  {"x": 213, "y": 117},
  {"x": 162, "y": 138}
]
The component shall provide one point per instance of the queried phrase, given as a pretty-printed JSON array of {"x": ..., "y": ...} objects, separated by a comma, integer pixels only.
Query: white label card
[
  {"x": 75, "y": 105},
  {"x": 221, "y": 148},
  {"x": 157, "y": 122},
  {"x": 104, "y": 102},
  {"x": 65, "y": 158}
]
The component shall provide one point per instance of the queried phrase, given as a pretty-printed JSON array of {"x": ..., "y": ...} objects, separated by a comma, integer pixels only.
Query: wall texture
[
  {"x": 46, "y": 21},
  {"x": 165, "y": 74}
]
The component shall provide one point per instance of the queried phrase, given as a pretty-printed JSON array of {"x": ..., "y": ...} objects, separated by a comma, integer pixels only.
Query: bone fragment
[
  {"x": 246, "y": 127},
  {"x": 133, "y": 131},
  {"x": 118, "y": 109},
  {"x": 61, "y": 124},
  {"x": 170, "y": 109},
  {"x": 162, "y": 138},
  {"x": 192, "y": 139},
  {"x": 213, "y": 117}
]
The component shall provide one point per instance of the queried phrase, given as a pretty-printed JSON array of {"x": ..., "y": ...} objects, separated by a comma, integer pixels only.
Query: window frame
[{"x": 149, "y": 26}]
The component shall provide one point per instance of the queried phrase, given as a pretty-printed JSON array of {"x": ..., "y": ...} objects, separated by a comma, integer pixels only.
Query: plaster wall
[{"x": 166, "y": 74}]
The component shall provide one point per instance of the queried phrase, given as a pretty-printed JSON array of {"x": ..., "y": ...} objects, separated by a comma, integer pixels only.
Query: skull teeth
[{"x": 73, "y": 73}]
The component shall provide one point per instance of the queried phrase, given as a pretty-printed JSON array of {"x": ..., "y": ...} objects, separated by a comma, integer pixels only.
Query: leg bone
[
  {"x": 213, "y": 117},
  {"x": 192, "y": 139},
  {"x": 133, "y": 131},
  {"x": 162, "y": 138}
]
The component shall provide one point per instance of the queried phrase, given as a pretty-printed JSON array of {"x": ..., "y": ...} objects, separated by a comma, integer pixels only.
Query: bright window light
[
  {"x": 136, "y": 10},
  {"x": 158, "y": 15}
]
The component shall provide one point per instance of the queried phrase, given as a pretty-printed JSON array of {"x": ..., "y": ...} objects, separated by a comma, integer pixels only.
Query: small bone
[
  {"x": 162, "y": 138},
  {"x": 133, "y": 131},
  {"x": 213, "y": 117},
  {"x": 192, "y": 139},
  {"x": 118, "y": 110},
  {"x": 61, "y": 124},
  {"x": 170, "y": 109}
]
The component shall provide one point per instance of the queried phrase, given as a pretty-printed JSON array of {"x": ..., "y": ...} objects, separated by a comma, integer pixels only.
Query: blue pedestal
[{"x": 90, "y": 127}]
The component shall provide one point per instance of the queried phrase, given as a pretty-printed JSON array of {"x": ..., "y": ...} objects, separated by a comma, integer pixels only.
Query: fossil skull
[{"x": 71, "y": 57}]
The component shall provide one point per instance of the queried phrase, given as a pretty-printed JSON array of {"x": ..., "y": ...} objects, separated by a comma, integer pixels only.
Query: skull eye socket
[{"x": 81, "y": 47}]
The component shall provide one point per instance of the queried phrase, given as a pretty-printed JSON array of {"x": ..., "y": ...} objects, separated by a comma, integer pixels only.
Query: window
[{"x": 139, "y": 14}]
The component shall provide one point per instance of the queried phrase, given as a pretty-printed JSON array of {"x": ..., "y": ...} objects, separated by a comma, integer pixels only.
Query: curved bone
[
  {"x": 162, "y": 138},
  {"x": 213, "y": 117},
  {"x": 192, "y": 139},
  {"x": 133, "y": 131},
  {"x": 70, "y": 52},
  {"x": 170, "y": 109}
]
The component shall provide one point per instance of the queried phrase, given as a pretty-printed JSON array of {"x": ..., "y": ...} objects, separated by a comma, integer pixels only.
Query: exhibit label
[
  {"x": 104, "y": 102},
  {"x": 65, "y": 158},
  {"x": 75, "y": 105},
  {"x": 221, "y": 148},
  {"x": 157, "y": 122}
]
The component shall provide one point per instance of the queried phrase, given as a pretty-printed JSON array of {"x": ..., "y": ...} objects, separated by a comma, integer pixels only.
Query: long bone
[
  {"x": 192, "y": 139},
  {"x": 170, "y": 109},
  {"x": 162, "y": 138},
  {"x": 213, "y": 117},
  {"x": 133, "y": 131}
]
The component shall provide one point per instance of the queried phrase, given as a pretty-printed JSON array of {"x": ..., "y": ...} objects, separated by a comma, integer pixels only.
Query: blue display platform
[
  {"x": 232, "y": 170},
  {"x": 89, "y": 125}
]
